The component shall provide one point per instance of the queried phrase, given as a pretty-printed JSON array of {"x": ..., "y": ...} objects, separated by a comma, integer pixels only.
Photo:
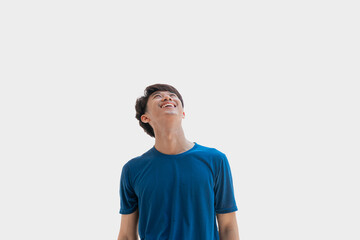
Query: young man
[{"x": 175, "y": 190}]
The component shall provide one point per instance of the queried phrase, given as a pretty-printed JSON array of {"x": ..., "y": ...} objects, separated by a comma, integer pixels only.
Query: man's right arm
[{"x": 129, "y": 226}]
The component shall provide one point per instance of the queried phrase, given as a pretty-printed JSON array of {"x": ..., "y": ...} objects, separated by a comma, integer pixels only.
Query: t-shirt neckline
[{"x": 175, "y": 155}]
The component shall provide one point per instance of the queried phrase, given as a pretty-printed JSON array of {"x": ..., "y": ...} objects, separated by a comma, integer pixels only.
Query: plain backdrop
[{"x": 272, "y": 84}]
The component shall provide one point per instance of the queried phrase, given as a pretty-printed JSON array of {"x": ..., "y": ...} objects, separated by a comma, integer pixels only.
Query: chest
[{"x": 164, "y": 176}]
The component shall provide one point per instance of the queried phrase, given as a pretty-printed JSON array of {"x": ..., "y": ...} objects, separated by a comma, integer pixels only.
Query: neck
[{"x": 172, "y": 141}]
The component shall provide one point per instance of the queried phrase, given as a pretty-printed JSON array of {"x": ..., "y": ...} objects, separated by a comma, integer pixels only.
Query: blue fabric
[{"x": 178, "y": 196}]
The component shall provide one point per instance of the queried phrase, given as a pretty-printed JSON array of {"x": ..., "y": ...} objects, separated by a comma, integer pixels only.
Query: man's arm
[
  {"x": 228, "y": 228},
  {"x": 129, "y": 225}
]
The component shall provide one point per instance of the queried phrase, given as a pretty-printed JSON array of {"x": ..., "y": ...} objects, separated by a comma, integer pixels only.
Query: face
[{"x": 163, "y": 104}]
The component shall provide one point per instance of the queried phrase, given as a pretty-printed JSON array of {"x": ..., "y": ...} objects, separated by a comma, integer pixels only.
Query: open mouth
[{"x": 168, "y": 105}]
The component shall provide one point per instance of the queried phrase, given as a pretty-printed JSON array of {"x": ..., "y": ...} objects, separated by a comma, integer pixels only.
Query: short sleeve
[
  {"x": 224, "y": 190},
  {"x": 128, "y": 198}
]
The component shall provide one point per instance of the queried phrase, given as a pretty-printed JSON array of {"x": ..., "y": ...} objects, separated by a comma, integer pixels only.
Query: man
[{"x": 174, "y": 190}]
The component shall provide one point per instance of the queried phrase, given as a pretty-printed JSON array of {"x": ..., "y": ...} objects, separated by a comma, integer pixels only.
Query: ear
[
  {"x": 183, "y": 115},
  {"x": 144, "y": 118}
]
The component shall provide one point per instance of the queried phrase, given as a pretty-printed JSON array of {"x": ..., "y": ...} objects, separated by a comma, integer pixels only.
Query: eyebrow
[{"x": 154, "y": 93}]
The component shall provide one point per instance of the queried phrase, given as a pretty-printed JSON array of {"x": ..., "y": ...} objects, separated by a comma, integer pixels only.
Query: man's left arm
[{"x": 228, "y": 228}]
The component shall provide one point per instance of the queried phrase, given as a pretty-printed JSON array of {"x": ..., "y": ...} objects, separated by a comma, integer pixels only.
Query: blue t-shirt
[{"x": 179, "y": 195}]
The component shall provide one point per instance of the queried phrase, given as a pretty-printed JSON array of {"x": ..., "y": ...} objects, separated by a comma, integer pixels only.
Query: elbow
[
  {"x": 127, "y": 238},
  {"x": 229, "y": 234}
]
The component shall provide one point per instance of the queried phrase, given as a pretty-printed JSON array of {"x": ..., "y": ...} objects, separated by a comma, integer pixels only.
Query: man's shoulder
[
  {"x": 211, "y": 151},
  {"x": 138, "y": 159}
]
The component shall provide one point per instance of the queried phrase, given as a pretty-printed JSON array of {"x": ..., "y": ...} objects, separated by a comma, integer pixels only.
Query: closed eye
[{"x": 172, "y": 95}]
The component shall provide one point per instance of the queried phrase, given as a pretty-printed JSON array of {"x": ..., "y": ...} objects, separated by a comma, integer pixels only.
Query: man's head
[{"x": 153, "y": 102}]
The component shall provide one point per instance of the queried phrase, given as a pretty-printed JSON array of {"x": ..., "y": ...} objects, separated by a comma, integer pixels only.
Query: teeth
[{"x": 168, "y": 105}]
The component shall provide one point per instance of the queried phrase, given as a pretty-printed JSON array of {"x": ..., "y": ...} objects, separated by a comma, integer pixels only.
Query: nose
[{"x": 167, "y": 96}]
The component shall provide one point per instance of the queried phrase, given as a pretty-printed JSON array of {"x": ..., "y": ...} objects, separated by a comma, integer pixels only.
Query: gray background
[{"x": 273, "y": 84}]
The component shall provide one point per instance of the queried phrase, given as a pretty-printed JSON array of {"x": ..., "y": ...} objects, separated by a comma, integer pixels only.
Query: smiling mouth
[{"x": 168, "y": 106}]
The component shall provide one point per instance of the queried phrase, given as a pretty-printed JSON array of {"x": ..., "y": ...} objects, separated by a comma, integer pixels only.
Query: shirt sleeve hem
[
  {"x": 227, "y": 210},
  {"x": 128, "y": 211}
]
